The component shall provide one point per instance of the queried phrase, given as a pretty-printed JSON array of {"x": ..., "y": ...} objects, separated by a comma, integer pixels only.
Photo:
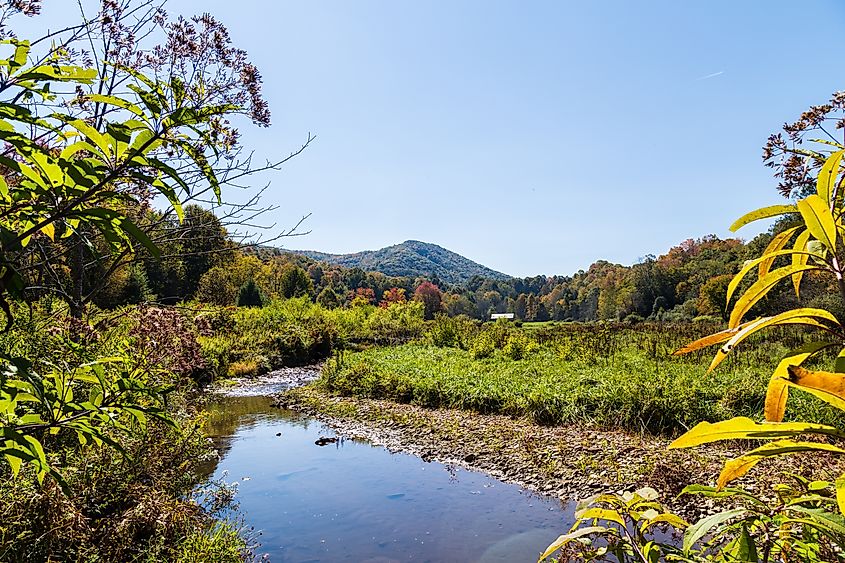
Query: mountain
[{"x": 411, "y": 258}]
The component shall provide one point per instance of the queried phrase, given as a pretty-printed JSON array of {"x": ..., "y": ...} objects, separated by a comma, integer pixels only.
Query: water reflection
[{"x": 351, "y": 501}]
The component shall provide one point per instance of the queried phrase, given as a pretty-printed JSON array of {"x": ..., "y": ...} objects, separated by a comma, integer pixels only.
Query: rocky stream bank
[{"x": 569, "y": 462}]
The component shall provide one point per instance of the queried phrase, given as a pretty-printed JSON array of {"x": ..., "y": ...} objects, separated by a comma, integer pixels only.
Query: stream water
[{"x": 352, "y": 501}]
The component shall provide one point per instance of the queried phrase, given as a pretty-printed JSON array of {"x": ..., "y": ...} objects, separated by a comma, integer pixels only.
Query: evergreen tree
[
  {"x": 249, "y": 295},
  {"x": 295, "y": 282}
]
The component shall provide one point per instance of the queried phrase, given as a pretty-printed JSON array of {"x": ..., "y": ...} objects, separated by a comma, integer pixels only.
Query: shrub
[
  {"x": 483, "y": 346},
  {"x": 519, "y": 346},
  {"x": 217, "y": 352},
  {"x": 633, "y": 319},
  {"x": 398, "y": 322},
  {"x": 452, "y": 332},
  {"x": 245, "y": 368},
  {"x": 442, "y": 331}
]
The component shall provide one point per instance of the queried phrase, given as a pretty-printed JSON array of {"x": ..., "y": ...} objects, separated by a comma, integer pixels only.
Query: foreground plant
[
  {"x": 89, "y": 141},
  {"x": 791, "y": 525},
  {"x": 816, "y": 245},
  {"x": 796, "y": 526}
]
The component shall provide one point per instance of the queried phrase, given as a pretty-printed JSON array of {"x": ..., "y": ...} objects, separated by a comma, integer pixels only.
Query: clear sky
[{"x": 533, "y": 137}]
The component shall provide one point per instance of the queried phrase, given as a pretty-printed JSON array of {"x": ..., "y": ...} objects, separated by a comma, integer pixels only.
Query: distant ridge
[{"x": 411, "y": 258}]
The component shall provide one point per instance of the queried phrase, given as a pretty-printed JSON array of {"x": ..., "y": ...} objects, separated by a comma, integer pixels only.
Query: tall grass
[{"x": 609, "y": 375}]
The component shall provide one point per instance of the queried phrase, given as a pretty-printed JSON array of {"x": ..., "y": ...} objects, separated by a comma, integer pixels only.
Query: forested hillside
[{"x": 411, "y": 258}]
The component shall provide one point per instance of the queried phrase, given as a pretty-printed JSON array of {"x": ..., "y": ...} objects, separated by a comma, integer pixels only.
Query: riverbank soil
[{"x": 570, "y": 462}]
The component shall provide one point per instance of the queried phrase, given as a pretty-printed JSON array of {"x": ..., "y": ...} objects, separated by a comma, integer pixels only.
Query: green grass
[{"x": 631, "y": 388}]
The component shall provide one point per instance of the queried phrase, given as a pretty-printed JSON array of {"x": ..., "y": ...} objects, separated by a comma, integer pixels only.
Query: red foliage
[
  {"x": 392, "y": 295},
  {"x": 363, "y": 293},
  {"x": 431, "y": 297}
]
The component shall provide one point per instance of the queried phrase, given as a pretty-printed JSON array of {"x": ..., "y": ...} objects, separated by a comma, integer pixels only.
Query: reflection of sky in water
[{"x": 350, "y": 501}]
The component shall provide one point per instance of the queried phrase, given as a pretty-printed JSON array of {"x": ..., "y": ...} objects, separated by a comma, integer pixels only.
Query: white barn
[{"x": 509, "y": 316}]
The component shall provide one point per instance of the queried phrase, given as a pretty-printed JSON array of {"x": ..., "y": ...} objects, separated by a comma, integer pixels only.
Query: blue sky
[{"x": 531, "y": 137}]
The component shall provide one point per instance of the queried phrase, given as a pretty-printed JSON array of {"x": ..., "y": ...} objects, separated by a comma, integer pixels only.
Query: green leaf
[
  {"x": 566, "y": 538},
  {"x": 118, "y": 102},
  {"x": 822, "y": 519},
  {"x": 743, "y": 548},
  {"x": 840, "y": 493},
  {"x": 703, "y": 526},
  {"x": 762, "y": 213},
  {"x": 154, "y": 101},
  {"x": 141, "y": 237},
  {"x": 62, "y": 73},
  {"x": 819, "y": 220},
  {"x": 724, "y": 492},
  {"x": 23, "y": 170},
  {"x": 94, "y": 136},
  {"x": 21, "y": 53},
  {"x": 199, "y": 159}
]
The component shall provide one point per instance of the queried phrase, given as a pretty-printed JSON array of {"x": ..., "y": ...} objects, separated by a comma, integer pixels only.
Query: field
[{"x": 610, "y": 376}]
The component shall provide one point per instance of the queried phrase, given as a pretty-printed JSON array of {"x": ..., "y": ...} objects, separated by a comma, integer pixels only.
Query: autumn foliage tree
[
  {"x": 391, "y": 296},
  {"x": 431, "y": 297}
]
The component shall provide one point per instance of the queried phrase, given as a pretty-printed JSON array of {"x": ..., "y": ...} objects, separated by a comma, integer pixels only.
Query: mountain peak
[{"x": 412, "y": 258}]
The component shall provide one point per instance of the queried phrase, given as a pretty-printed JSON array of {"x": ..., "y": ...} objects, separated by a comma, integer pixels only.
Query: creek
[{"x": 348, "y": 500}]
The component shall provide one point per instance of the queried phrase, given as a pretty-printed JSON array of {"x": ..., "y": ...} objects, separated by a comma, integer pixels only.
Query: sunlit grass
[{"x": 632, "y": 387}]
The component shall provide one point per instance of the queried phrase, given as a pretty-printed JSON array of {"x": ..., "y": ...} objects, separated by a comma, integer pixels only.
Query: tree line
[{"x": 200, "y": 261}]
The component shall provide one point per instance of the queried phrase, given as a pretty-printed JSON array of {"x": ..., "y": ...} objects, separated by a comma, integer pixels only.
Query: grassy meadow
[{"x": 614, "y": 376}]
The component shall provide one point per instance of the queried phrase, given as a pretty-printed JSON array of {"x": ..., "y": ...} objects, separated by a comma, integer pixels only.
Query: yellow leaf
[
  {"x": 749, "y": 265},
  {"x": 601, "y": 514},
  {"x": 566, "y": 538},
  {"x": 762, "y": 213},
  {"x": 778, "y": 242},
  {"x": 759, "y": 289},
  {"x": 828, "y": 386},
  {"x": 716, "y": 338},
  {"x": 14, "y": 464},
  {"x": 800, "y": 258},
  {"x": 805, "y": 316},
  {"x": 840, "y": 493},
  {"x": 745, "y": 428},
  {"x": 736, "y": 468},
  {"x": 826, "y": 180},
  {"x": 666, "y": 518},
  {"x": 776, "y": 395},
  {"x": 50, "y": 230},
  {"x": 819, "y": 220},
  {"x": 839, "y": 362},
  {"x": 778, "y": 390}
]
